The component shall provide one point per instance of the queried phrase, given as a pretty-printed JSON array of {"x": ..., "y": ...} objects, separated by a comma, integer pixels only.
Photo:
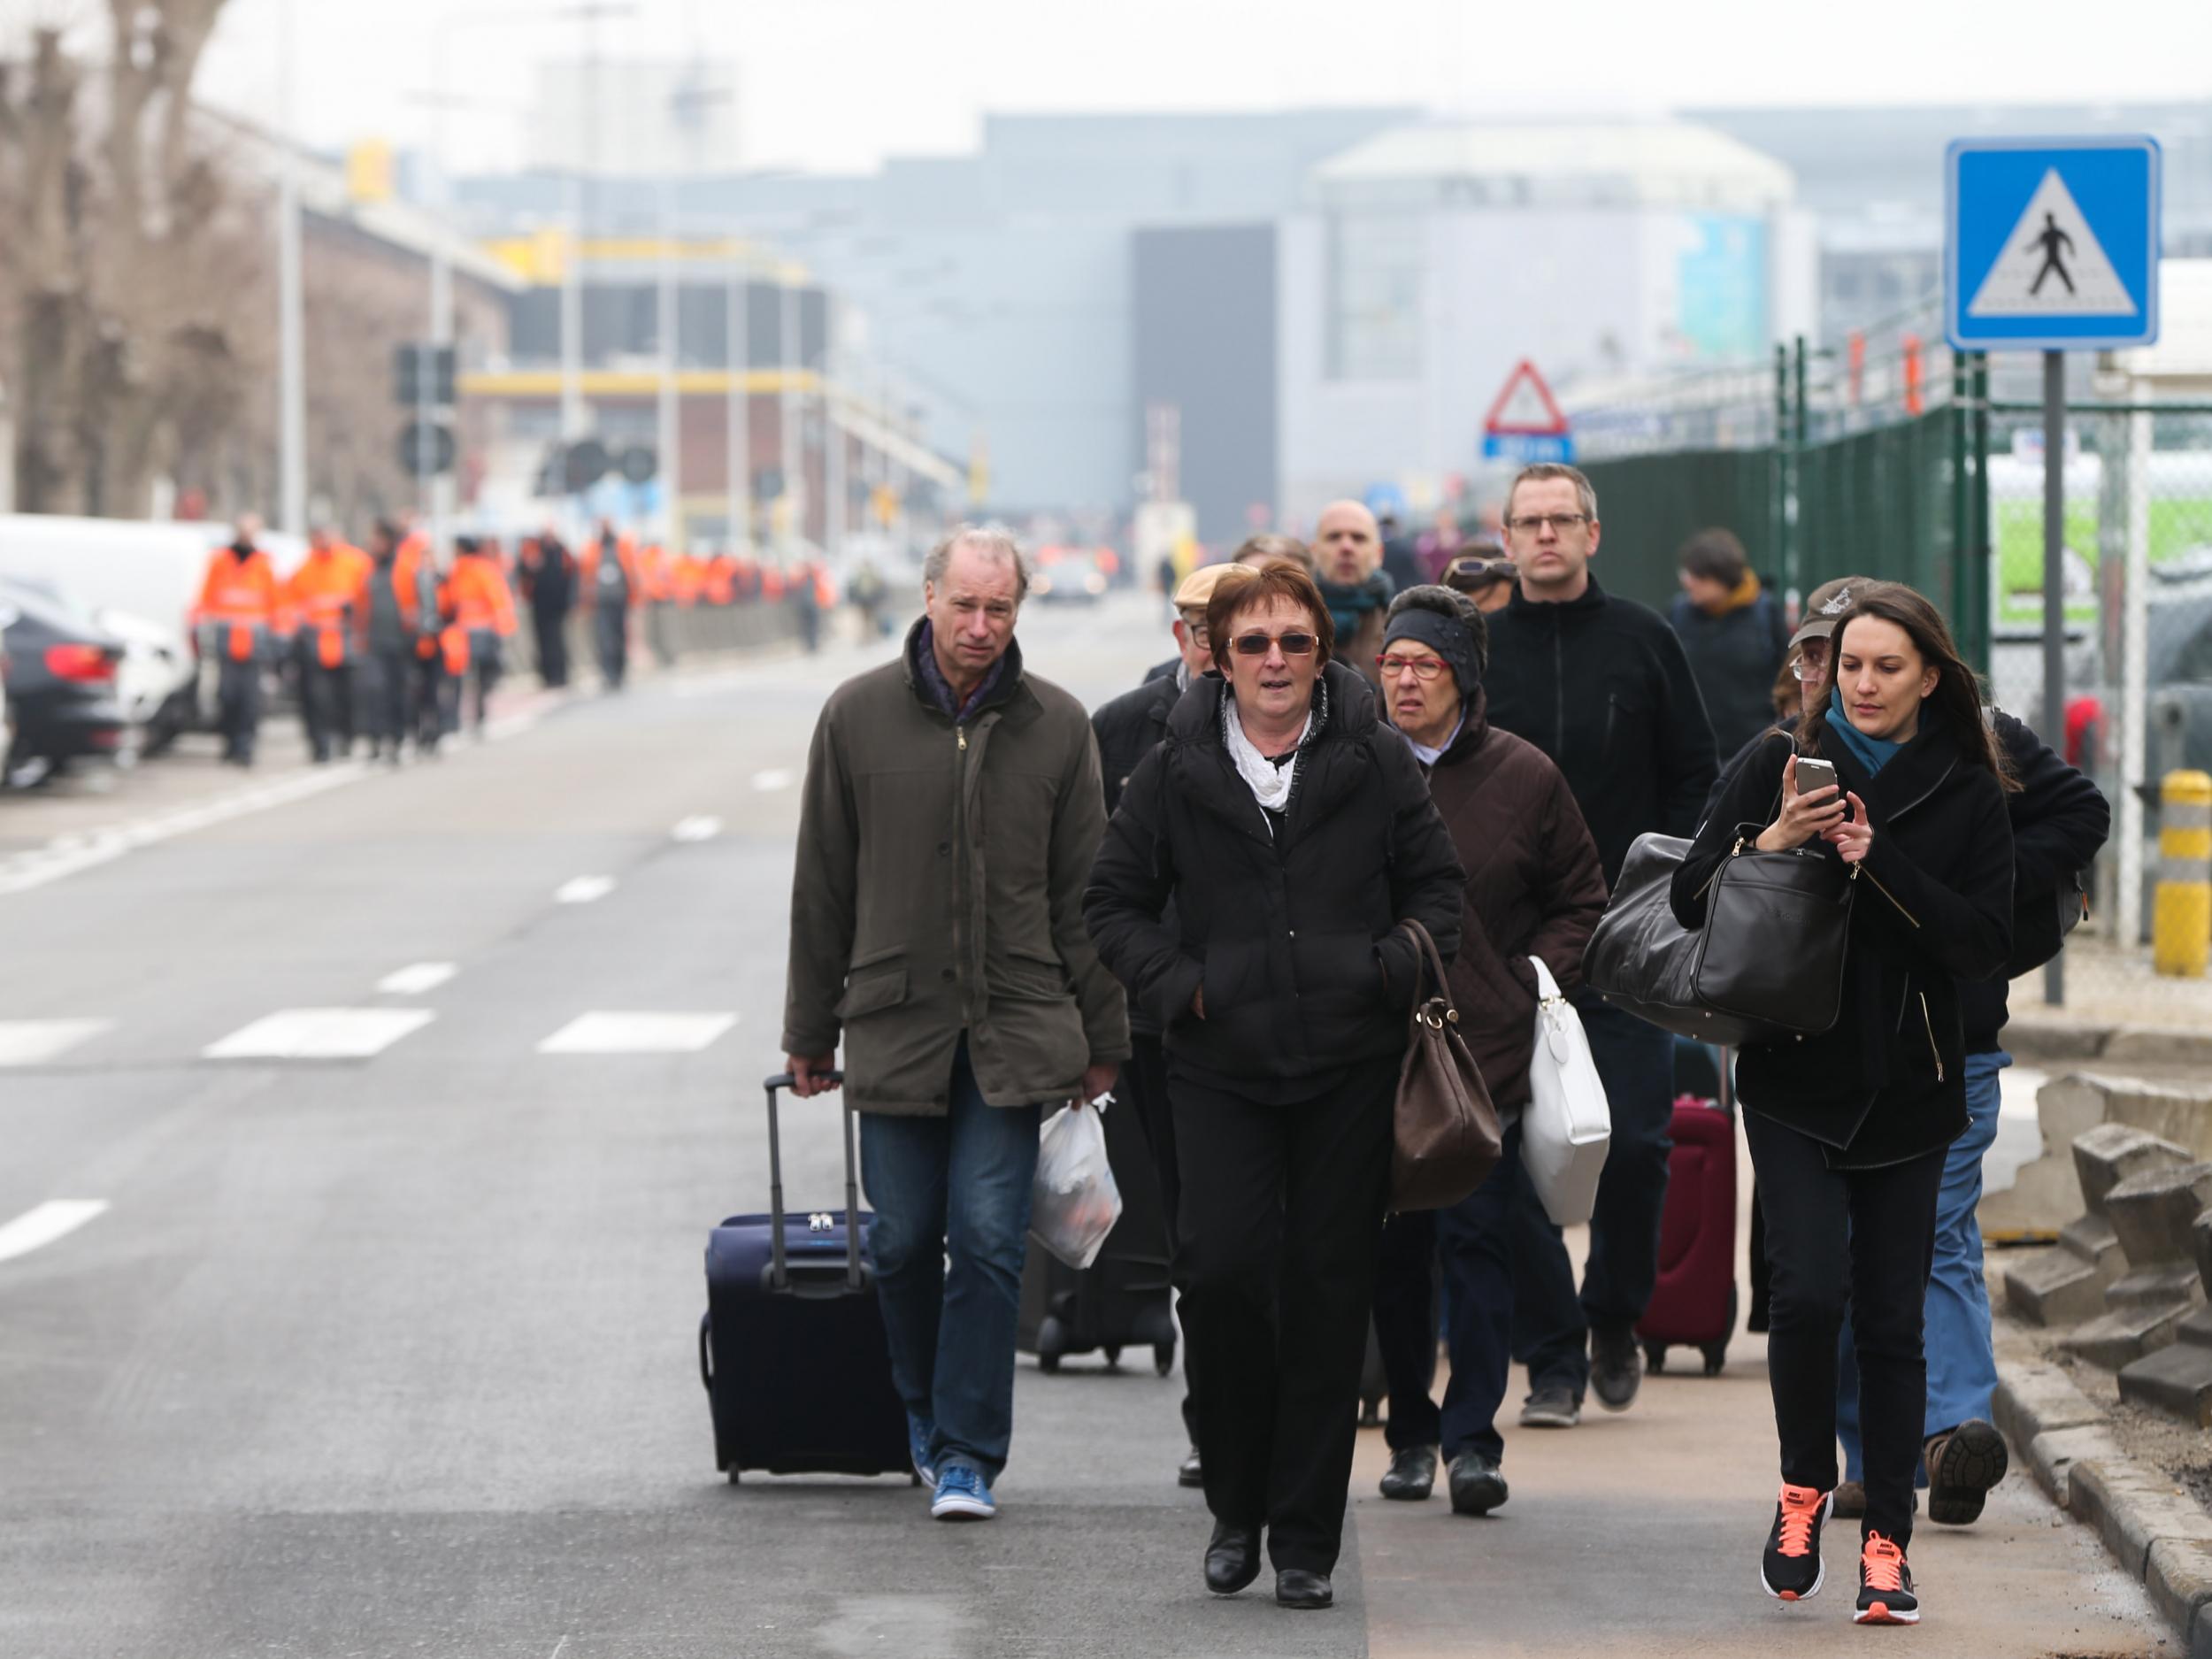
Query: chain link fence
[{"x": 1886, "y": 455}]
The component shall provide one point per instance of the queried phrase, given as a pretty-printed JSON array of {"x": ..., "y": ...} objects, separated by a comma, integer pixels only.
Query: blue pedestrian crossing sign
[{"x": 2051, "y": 244}]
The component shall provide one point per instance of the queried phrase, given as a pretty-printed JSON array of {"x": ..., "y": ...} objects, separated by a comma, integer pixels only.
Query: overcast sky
[{"x": 836, "y": 85}]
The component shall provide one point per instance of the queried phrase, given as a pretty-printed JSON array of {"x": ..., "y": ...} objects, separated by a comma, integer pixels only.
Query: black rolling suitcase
[
  {"x": 791, "y": 1347},
  {"x": 1123, "y": 1299}
]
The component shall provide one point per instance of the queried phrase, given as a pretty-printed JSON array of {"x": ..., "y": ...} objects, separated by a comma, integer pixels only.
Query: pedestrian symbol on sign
[{"x": 2051, "y": 239}]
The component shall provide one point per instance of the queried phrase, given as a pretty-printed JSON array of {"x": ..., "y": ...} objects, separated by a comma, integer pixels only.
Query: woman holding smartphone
[{"x": 1894, "y": 775}]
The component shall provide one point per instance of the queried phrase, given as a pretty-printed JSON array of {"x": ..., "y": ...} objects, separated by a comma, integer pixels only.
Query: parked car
[
  {"x": 60, "y": 674},
  {"x": 1068, "y": 575}
]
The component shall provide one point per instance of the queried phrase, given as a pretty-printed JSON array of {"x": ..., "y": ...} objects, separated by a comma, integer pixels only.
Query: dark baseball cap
[{"x": 1825, "y": 606}]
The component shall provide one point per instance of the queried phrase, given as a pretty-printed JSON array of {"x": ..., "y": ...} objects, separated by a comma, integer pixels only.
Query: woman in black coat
[
  {"x": 1847, "y": 1128},
  {"x": 1291, "y": 831}
]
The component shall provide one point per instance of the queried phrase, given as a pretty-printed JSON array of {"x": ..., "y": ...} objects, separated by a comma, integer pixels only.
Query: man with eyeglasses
[
  {"x": 1601, "y": 685},
  {"x": 1129, "y": 728}
]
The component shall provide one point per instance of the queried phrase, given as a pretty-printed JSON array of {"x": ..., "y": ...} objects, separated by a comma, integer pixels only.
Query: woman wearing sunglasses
[{"x": 1248, "y": 892}]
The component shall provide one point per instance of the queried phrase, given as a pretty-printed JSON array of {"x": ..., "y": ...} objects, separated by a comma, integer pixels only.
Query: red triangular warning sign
[{"x": 1525, "y": 405}]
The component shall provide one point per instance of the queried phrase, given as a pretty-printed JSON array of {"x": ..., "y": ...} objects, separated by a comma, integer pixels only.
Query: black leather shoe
[
  {"x": 1411, "y": 1475},
  {"x": 1477, "y": 1486},
  {"x": 1233, "y": 1560},
  {"x": 1190, "y": 1471},
  {"x": 1297, "y": 1588}
]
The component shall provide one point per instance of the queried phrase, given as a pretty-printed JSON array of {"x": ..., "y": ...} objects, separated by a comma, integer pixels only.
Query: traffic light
[
  {"x": 409, "y": 360},
  {"x": 585, "y": 464},
  {"x": 639, "y": 463}
]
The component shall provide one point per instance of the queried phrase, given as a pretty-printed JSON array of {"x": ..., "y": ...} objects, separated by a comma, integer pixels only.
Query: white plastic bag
[
  {"x": 1569, "y": 1125},
  {"x": 1073, "y": 1202}
]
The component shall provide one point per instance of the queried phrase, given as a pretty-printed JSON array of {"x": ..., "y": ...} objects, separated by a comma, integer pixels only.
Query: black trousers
[
  {"x": 485, "y": 667},
  {"x": 1144, "y": 1091},
  {"x": 238, "y": 699},
  {"x": 1861, "y": 1241},
  {"x": 437, "y": 697},
  {"x": 1281, "y": 1216},
  {"x": 552, "y": 632},
  {"x": 325, "y": 702},
  {"x": 611, "y": 635},
  {"x": 1405, "y": 1327}
]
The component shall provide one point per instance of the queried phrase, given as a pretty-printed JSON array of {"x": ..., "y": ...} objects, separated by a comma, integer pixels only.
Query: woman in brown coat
[{"x": 1534, "y": 888}]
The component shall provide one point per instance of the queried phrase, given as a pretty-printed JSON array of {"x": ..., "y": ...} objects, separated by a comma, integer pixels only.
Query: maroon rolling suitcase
[{"x": 1693, "y": 1304}]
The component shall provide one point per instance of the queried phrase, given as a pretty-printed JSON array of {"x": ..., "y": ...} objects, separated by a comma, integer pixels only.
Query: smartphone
[{"x": 1815, "y": 774}]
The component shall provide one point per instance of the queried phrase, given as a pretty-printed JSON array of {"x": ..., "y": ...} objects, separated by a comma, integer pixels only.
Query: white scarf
[{"x": 1270, "y": 783}]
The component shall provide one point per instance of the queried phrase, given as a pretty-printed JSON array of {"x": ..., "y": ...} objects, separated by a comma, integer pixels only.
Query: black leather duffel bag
[{"x": 1767, "y": 964}]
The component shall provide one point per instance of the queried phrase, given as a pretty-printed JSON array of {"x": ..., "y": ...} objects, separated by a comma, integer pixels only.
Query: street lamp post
[{"x": 291, "y": 295}]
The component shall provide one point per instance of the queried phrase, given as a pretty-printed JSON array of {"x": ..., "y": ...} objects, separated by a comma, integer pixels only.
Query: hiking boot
[
  {"x": 1411, "y": 1475},
  {"x": 1850, "y": 1501},
  {"x": 1962, "y": 1466},
  {"x": 1551, "y": 1406},
  {"x": 1791, "y": 1568},
  {"x": 1616, "y": 1366},
  {"x": 1885, "y": 1593},
  {"x": 1477, "y": 1486}
]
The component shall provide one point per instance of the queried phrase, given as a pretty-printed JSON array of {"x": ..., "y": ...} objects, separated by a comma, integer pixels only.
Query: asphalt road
[{"x": 382, "y": 1342}]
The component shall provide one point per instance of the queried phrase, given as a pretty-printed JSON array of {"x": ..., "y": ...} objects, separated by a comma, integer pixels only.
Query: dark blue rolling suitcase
[{"x": 791, "y": 1347}]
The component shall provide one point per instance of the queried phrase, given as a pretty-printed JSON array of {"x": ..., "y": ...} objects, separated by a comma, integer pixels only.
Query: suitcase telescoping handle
[{"x": 778, "y": 1269}]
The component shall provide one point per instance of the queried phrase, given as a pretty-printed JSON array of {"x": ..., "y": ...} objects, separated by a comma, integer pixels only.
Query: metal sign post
[{"x": 2051, "y": 245}]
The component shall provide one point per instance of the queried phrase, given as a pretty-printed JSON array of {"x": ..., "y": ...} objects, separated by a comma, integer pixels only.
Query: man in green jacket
[{"x": 965, "y": 987}]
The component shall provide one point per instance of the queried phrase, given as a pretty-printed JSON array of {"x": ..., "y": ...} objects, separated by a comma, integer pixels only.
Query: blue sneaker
[
  {"x": 919, "y": 1432},
  {"x": 962, "y": 1495}
]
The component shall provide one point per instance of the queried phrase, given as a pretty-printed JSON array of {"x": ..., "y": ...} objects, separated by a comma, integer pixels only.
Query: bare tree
[{"x": 133, "y": 292}]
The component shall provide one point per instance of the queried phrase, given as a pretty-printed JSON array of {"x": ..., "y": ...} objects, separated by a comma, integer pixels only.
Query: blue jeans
[
  {"x": 959, "y": 1185},
  {"x": 1961, "y": 1365},
  {"x": 1635, "y": 1061}
]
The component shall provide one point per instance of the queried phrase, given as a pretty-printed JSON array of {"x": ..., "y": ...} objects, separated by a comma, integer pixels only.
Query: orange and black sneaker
[
  {"x": 1885, "y": 1595},
  {"x": 1791, "y": 1568}
]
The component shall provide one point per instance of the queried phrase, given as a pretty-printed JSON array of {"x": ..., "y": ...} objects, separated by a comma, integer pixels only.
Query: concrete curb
[
  {"x": 2158, "y": 1533},
  {"x": 2057, "y": 1043}
]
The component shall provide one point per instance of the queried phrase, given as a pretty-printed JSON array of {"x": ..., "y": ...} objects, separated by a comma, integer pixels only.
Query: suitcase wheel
[
  {"x": 1655, "y": 1357},
  {"x": 1113, "y": 1357},
  {"x": 1162, "y": 1358},
  {"x": 1048, "y": 1362},
  {"x": 734, "y": 1474},
  {"x": 1715, "y": 1356}
]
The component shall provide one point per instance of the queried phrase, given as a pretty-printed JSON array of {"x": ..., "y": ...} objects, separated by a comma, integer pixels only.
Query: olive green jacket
[{"x": 939, "y": 889}]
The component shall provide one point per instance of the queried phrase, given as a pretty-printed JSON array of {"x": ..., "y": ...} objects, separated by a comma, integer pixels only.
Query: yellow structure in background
[
  {"x": 2181, "y": 915},
  {"x": 369, "y": 173}
]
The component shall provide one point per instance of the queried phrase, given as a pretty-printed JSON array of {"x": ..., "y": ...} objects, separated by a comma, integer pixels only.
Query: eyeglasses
[
  {"x": 1532, "y": 523},
  {"x": 1424, "y": 668},
  {"x": 1256, "y": 644},
  {"x": 1810, "y": 664},
  {"x": 1479, "y": 571},
  {"x": 1197, "y": 627}
]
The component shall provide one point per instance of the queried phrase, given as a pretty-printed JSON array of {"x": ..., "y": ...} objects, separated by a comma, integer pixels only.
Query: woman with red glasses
[{"x": 1248, "y": 892}]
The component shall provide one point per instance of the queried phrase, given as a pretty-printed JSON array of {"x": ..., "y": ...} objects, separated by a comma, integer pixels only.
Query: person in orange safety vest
[
  {"x": 320, "y": 598},
  {"x": 240, "y": 614},
  {"x": 397, "y": 604},
  {"x": 483, "y": 616}
]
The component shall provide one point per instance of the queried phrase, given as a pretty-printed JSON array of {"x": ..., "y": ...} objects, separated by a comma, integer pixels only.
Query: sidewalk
[{"x": 1640, "y": 1533}]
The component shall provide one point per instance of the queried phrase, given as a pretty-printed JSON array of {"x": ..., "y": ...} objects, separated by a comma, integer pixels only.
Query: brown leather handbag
[{"x": 1448, "y": 1139}]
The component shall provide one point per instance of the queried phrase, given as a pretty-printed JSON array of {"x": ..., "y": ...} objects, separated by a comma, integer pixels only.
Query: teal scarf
[{"x": 1873, "y": 753}]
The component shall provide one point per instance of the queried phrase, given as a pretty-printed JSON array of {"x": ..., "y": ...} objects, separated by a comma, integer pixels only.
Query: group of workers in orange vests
[{"x": 424, "y": 636}]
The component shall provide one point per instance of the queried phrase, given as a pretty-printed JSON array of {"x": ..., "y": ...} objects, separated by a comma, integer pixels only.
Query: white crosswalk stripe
[
  {"x": 37, "y": 1041},
  {"x": 607, "y": 1032},
  {"x": 416, "y": 979},
  {"x": 583, "y": 890},
  {"x": 320, "y": 1034},
  {"x": 57, "y": 1219}
]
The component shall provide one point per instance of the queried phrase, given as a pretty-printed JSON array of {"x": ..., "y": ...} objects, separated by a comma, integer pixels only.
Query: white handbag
[{"x": 1568, "y": 1126}]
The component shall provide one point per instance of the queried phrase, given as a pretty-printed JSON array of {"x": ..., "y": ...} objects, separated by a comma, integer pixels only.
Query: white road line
[
  {"x": 57, "y": 1219},
  {"x": 416, "y": 979},
  {"x": 775, "y": 778},
  {"x": 67, "y": 855},
  {"x": 698, "y": 829},
  {"x": 637, "y": 1033},
  {"x": 583, "y": 890},
  {"x": 36, "y": 1042},
  {"x": 320, "y": 1034}
]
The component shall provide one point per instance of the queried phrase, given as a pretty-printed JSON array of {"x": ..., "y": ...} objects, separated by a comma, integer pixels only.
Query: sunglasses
[
  {"x": 1479, "y": 570},
  {"x": 1256, "y": 644}
]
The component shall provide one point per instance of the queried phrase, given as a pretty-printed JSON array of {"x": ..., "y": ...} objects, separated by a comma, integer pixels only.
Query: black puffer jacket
[
  {"x": 1886, "y": 1081},
  {"x": 1601, "y": 685},
  {"x": 1291, "y": 936},
  {"x": 1129, "y": 728}
]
